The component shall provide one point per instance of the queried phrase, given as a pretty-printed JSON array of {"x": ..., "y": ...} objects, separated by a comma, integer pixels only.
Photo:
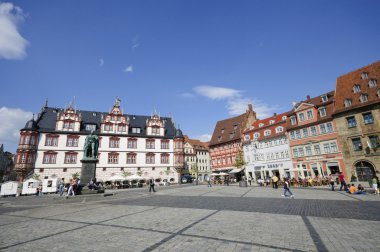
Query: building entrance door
[{"x": 365, "y": 171}]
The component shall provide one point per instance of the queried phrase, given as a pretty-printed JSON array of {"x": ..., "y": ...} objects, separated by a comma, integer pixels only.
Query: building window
[
  {"x": 305, "y": 132},
  {"x": 300, "y": 151},
  {"x": 149, "y": 158},
  {"x": 122, "y": 128},
  {"x": 256, "y": 135},
  {"x": 64, "y": 169},
  {"x": 164, "y": 158},
  {"x": 136, "y": 130},
  {"x": 326, "y": 148},
  {"x": 271, "y": 122},
  {"x": 164, "y": 144},
  {"x": 132, "y": 143},
  {"x": 357, "y": 143},
  {"x": 329, "y": 127},
  {"x": 70, "y": 158},
  {"x": 322, "y": 111},
  {"x": 364, "y": 75},
  {"x": 347, "y": 103},
  {"x": 51, "y": 140},
  {"x": 334, "y": 147},
  {"x": 113, "y": 158},
  {"x": 279, "y": 129},
  {"x": 368, "y": 118},
  {"x": 131, "y": 158},
  {"x": 298, "y": 134},
  {"x": 308, "y": 150},
  {"x": 150, "y": 144},
  {"x": 351, "y": 122},
  {"x": 90, "y": 127},
  {"x": 108, "y": 127},
  {"x": 284, "y": 118},
  {"x": 356, "y": 88},
  {"x": 292, "y": 135},
  {"x": 155, "y": 130},
  {"x": 372, "y": 83},
  {"x": 68, "y": 125},
  {"x": 267, "y": 133},
  {"x": 295, "y": 152},
  {"x": 41, "y": 170},
  {"x": 261, "y": 124},
  {"x": 324, "y": 98},
  {"x": 322, "y": 128},
  {"x": 72, "y": 141},
  {"x": 50, "y": 158},
  {"x": 114, "y": 142},
  {"x": 317, "y": 149},
  {"x": 309, "y": 114},
  {"x": 222, "y": 131},
  {"x": 313, "y": 130},
  {"x": 302, "y": 117},
  {"x": 235, "y": 127},
  {"x": 363, "y": 98},
  {"x": 373, "y": 141},
  {"x": 293, "y": 120}
]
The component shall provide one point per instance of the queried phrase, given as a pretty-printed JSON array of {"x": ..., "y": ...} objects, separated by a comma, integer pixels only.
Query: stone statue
[{"x": 91, "y": 145}]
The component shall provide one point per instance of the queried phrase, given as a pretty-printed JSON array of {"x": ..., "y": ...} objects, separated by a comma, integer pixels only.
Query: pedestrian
[
  {"x": 226, "y": 181},
  {"x": 71, "y": 188},
  {"x": 40, "y": 190},
  {"x": 61, "y": 186},
  {"x": 250, "y": 181},
  {"x": 332, "y": 182},
  {"x": 287, "y": 190},
  {"x": 374, "y": 185},
  {"x": 342, "y": 182},
  {"x": 209, "y": 181},
  {"x": 151, "y": 185},
  {"x": 274, "y": 182}
]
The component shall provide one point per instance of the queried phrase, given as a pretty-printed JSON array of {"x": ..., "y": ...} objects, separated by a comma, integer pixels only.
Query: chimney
[
  {"x": 307, "y": 97},
  {"x": 274, "y": 114},
  {"x": 250, "y": 108}
]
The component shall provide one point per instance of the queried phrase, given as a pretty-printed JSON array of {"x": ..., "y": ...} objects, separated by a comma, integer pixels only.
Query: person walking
[
  {"x": 342, "y": 181},
  {"x": 332, "y": 182},
  {"x": 275, "y": 182},
  {"x": 151, "y": 185},
  {"x": 374, "y": 184},
  {"x": 287, "y": 190},
  {"x": 250, "y": 181},
  {"x": 61, "y": 187},
  {"x": 209, "y": 181}
]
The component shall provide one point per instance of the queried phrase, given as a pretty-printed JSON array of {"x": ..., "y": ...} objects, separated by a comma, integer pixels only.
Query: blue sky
[{"x": 201, "y": 61}]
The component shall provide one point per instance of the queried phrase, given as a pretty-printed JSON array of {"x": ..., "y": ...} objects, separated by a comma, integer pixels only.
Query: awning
[{"x": 235, "y": 171}]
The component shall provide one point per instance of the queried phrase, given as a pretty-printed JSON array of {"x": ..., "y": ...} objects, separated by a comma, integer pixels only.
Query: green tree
[
  {"x": 36, "y": 176},
  {"x": 126, "y": 173},
  {"x": 239, "y": 160},
  {"x": 139, "y": 173},
  {"x": 75, "y": 175}
]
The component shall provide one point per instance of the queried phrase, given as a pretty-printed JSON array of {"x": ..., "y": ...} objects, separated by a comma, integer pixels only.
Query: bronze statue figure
[{"x": 91, "y": 145}]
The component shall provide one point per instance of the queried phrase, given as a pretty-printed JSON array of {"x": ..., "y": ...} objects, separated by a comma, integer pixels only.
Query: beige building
[
  {"x": 357, "y": 118},
  {"x": 197, "y": 158}
]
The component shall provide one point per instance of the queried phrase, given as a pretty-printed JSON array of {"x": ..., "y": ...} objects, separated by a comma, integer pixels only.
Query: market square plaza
[{"x": 193, "y": 218}]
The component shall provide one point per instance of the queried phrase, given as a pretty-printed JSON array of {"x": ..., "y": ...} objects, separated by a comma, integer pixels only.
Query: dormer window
[
  {"x": 235, "y": 126},
  {"x": 356, "y": 88},
  {"x": 279, "y": 129},
  {"x": 136, "y": 130},
  {"x": 219, "y": 138},
  {"x": 256, "y": 135},
  {"x": 347, "y": 103},
  {"x": 372, "y": 83},
  {"x": 271, "y": 121},
  {"x": 284, "y": 118},
  {"x": 222, "y": 131},
  {"x": 232, "y": 135},
  {"x": 324, "y": 98},
  {"x": 267, "y": 133},
  {"x": 364, "y": 75},
  {"x": 309, "y": 114},
  {"x": 302, "y": 117},
  {"x": 322, "y": 111},
  {"x": 90, "y": 127},
  {"x": 293, "y": 120},
  {"x": 94, "y": 114},
  {"x": 68, "y": 125},
  {"x": 363, "y": 98},
  {"x": 261, "y": 125}
]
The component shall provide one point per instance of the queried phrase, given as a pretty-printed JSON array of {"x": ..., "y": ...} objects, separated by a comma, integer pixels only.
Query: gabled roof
[
  {"x": 197, "y": 144},
  {"x": 228, "y": 130},
  {"x": 47, "y": 122},
  {"x": 345, "y": 84}
]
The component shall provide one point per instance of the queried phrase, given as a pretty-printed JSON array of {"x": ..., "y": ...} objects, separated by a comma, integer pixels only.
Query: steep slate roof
[
  {"x": 345, "y": 83},
  {"x": 317, "y": 103},
  {"x": 47, "y": 121},
  {"x": 228, "y": 126}
]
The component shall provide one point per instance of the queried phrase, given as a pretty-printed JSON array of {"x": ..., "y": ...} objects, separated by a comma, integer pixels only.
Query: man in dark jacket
[{"x": 151, "y": 185}]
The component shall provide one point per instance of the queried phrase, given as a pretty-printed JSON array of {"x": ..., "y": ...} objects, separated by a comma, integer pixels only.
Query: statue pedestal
[{"x": 88, "y": 170}]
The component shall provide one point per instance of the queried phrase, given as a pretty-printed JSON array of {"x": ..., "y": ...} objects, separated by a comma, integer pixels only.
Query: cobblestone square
[{"x": 193, "y": 218}]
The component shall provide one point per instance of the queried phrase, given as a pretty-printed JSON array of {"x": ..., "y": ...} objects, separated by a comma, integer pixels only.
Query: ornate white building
[
  {"x": 52, "y": 145},
  {"x": 266, "y": 148}
]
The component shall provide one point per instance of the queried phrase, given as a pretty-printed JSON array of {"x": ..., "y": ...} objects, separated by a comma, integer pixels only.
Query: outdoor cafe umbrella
[
  {"x": 116, "y": 178},
  {"x": 223, "y": 174},
  {"x": 214, "y": 174},
  {"x": 135, "y": 177}
]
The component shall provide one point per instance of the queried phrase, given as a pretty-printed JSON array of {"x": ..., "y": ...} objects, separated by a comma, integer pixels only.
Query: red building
[
  {"x": 313, "y": 138},
  {"x": 226, "y": 141}
]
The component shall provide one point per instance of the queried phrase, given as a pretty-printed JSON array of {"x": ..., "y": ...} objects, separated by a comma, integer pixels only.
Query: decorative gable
[
  {"x": 115, "y": 122},
  {"x": 155, "y": 126},
  {"x": 68, "y": 120}
]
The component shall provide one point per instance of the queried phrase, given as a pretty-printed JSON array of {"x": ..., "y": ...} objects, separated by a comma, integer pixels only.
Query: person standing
[
  {"x": 61, "y": 186},
  {"x": 342, "y": 181},
  {"x": 250, "y": 181},
  {"x": 151, "y": 185},
  {"x": 287, "y": 190},
  {"x": 374, "y": 185},
  {"x": 71, "y": 188},
  {"x": 209, "y": 181},
  {"x": 332, "y": 182}
]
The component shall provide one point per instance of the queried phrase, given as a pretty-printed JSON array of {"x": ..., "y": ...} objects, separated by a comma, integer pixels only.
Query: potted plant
[{"x": 354, "y": 178}]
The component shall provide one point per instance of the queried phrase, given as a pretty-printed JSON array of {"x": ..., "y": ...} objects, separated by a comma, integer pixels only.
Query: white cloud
[
  {"x": 101, "y": 62},
  {"x": 129, "y": 69},
  {"x": 135, "y": 43},
  {"x": 217, "y": 93},
  {"x": 12, "y": 120},
  {"x": 204, "y": 137},
  {"x": 12, "y": 44},
  {"x": 187, "y": 95}
]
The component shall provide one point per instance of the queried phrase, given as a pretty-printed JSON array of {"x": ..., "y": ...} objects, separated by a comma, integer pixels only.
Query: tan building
[
  {"x": 197, "y": 158},
  {"x": 356, "y": 115}
]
